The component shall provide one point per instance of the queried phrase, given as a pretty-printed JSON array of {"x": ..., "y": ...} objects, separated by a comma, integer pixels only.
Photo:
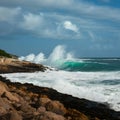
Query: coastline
[
  {"x": 42, "y": 102},
  {"x": 11, "y": 65}
]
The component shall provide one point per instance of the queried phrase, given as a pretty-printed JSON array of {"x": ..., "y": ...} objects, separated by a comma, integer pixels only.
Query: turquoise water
[{"x": 91, "y": 65}]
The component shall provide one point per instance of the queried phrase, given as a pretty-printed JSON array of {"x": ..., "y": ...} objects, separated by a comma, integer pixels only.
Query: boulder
[
  {"x": 43, "y": 101},
  {"x": 15, "y": 116},
  {"x": 49, "y": 116},
  {"x": 73, "y": 114},
  {"x": 56, "y": 107},
  {"x": 4, "y": 92}
]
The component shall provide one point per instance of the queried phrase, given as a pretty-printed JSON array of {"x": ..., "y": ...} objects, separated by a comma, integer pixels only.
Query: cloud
[
  {"x": 54, "y": 3},
  {"x": 36, "y": 3},
  {"x": 68, "y": 25},
  {"x": 39, "y": 24},
  {"x": 59, "y": 19},
  {"x": 81, "y": 8},
  {"x": 31, "y": 21},
  {"x": 48, "y": 26},
  {"x": 9, "y": 14}
]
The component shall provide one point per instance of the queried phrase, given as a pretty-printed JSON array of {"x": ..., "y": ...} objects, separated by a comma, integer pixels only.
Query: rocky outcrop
[
  {"x": 29, "y": 102},
  {"x": 11, "y": 65},
  {"x": 5, "y": 54}
]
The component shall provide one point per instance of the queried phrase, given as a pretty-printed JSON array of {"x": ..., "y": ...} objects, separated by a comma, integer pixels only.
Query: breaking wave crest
[
  {"x": 55, "y": 59},
  {"x": 61, "y": 59}
]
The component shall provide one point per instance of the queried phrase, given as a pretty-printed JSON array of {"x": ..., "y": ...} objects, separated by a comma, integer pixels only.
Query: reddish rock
[
  {"x": 27, "y": 109},
  {"x": 56, "y": 107},
  {"x": 7, "y": 111},
  {"x": 49, "y": 116},
  {"x": 5, "y": 104},
  {"x": 44, "y": 101},
  {"x": 15, "y": 116},
  {"x": 11, "y": 65},
  {"x": 4, "y": 92},
  {"x": 39, "y": 103},
  {"x": 41, "y": 110},
  {"x": 2, "y": 111}
]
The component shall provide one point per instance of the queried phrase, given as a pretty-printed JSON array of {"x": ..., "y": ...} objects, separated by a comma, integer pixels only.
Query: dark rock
[
  {"x": 73, "y": 114},
  {"x": 31, "y": 102}
]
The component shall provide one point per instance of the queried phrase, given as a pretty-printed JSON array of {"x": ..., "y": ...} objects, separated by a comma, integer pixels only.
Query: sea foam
[
  {"x": 90, "y": 85},
  {"x": 98, "y": 80}
]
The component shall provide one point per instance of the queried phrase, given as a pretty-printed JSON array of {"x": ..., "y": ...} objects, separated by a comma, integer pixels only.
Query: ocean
[{"x": 96, "y": 79}]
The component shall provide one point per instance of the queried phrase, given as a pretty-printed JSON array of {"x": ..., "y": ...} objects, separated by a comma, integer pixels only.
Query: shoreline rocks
[
  {"x": 26, "y": 101},
  {"x": 11, "y": 65}
]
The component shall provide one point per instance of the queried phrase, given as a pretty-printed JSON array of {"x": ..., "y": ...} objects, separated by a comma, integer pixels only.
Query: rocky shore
[
  {"x": 28, "y": 102},
  {"x": 11, "y": 65}
]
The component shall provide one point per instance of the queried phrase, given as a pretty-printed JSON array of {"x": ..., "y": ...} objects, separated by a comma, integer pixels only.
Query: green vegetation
[{"x": 5, "y": 54}]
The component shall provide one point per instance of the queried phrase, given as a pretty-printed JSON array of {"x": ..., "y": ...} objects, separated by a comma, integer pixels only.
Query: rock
[
  {"x": 11, "y": 65},
  {"x": 96, "y": 118},
  {"x": 5, "y": 105},
  {"x": 41, "y": 109},
  {"x": 7, "y": 111},
  {"x": 56, "y": 107},
  {"x": 44, "y": 101},
  {"x": 5, "y": 116},
  {"x": 3, "y": 88},
  {"x": 27, "y": 109},
  {"x": 5, "y": 93},
  {"x": 2, "y": 111},
  {"x": 15, "y": 116},
  {"x": 49, "y": 116},
  {"x": 73, "y": 114},
  {"x": 40, "y": 103}
]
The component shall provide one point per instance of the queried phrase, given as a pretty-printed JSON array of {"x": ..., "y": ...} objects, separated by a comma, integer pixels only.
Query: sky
[{"x": 88, "y": 28}]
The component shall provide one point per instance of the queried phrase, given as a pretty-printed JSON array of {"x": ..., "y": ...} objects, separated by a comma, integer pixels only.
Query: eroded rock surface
[
  {"x": 29, "y": 102},
  {"x": 11, "y": 65}
]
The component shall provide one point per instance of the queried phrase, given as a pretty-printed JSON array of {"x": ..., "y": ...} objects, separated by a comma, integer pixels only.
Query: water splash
[
  {"x": 61, "y": 59},
  {"x": 58, "y": 56}
]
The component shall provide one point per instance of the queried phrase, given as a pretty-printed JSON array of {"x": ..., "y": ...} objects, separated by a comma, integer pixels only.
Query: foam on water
[
  {"x": 101, "y": 86},
  {"x": 89, "y": 85}
]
